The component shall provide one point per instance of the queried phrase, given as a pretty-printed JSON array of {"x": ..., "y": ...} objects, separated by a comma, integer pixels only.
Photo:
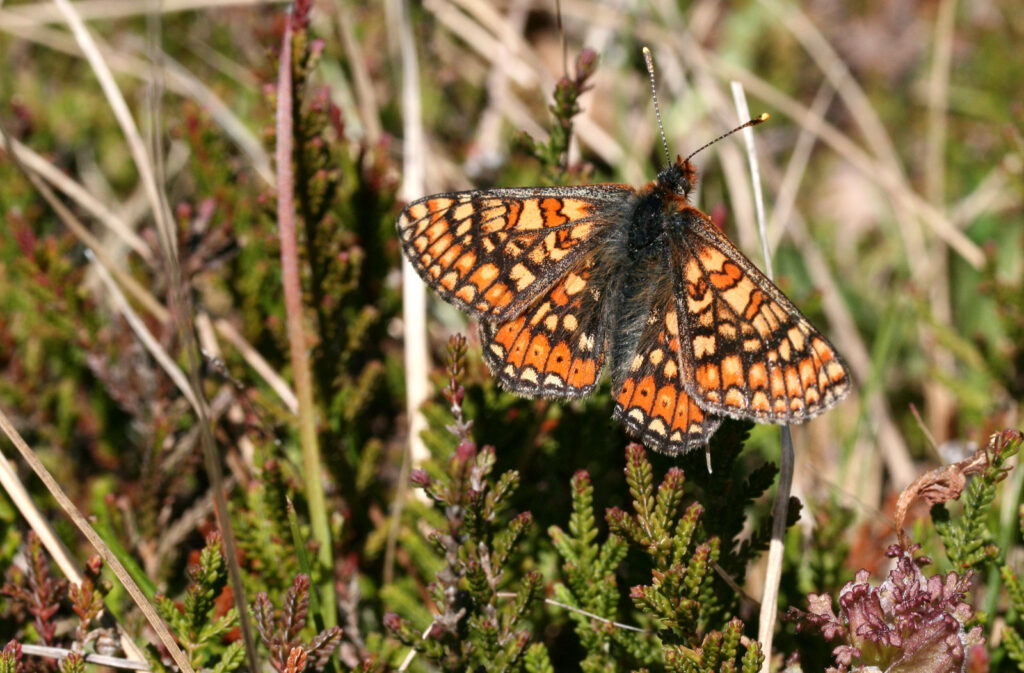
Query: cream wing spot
[
  {"x": 574, "y": 284},
  {"x": 796, "y": 337},
  {"x": 522, "y": 276},
  {"x": 703, "y": 346}
]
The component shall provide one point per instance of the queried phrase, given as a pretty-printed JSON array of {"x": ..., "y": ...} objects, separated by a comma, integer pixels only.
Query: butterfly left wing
[
  {"x": 749, "y": 352},
  {"x": 555, "y": 348},
  {"x": 651, "y": 399},
  {"x": 491, "y": 253}
]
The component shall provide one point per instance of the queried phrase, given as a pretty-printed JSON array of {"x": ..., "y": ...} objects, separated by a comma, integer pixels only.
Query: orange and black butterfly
[{"x": 564, "y": 280}]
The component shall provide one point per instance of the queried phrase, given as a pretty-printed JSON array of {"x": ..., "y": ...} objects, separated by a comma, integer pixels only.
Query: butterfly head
[{"x": 679, "y": 178}]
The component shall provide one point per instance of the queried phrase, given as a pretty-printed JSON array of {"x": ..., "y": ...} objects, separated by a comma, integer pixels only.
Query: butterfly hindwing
[
  {"x": 651, "y": 399},
  {"x": 492, "y": 252},
  {"x": 554, "y": 348},
  {"x": 749, "y": 352}
]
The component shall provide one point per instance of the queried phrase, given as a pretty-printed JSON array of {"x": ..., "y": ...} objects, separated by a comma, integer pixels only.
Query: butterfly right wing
[
  {"x": 491, "y": 253},
  {"x": 750, "y": 353},
  {"x": 651, "y": 399}
]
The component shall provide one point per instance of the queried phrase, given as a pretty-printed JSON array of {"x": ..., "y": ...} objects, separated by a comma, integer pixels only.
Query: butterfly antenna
[
  {"x": 649, "y": 60},
  {"x": 752, "y": 122}
]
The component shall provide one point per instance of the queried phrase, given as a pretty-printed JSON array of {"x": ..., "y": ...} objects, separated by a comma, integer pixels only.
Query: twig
[
  {"x": 591, "y": 615},
  {"x": 411, "y": 654}
]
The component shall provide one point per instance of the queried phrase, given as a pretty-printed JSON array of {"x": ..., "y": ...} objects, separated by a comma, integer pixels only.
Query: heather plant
[
  {"x": 47, "y": 601},
  {"x": 690, "y": 629},
  {"x": 476, "y": 626},
  {"x": 198, "y": 621}
]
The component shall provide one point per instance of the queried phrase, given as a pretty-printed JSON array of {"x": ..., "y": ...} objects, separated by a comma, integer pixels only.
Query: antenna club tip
[
  {"x": 764, "y": 117},
  {"x": 645, "y": 50}
]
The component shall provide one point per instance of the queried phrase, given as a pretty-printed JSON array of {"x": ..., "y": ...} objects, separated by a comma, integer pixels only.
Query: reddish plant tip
[
  {"x": 466, "y": 451},
  {"x": 586, "y": 61},
  {"x": 419, "y": 478},
  {"x": 392, "y": 621},
  {"x": 299, "y": 16}
]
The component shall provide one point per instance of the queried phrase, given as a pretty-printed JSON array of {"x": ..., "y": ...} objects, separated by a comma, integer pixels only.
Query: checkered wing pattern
[
  {"x": 492, "y": 253},
  {"x": 651, "y": 399},
  {"x": 749, "y": 352},
  {"x": 555, "y": 348}
]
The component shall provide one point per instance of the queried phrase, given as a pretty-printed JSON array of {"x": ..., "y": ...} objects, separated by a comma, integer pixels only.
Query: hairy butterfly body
[{"x": 565, "y": 281}]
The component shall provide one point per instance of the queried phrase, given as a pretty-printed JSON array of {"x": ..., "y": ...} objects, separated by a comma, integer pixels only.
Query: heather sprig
[
  {"x": 11, "y": 658},
  {"x": 197, "y": 622},
  {"x": 35, "y": 591},
  {"x": 680, "y": 598},
  {"x": 691, "y": 636},
  {"x": 968, "y": 537},
  {"x": 282, "y": 631},
  {"x": 589, "y": 584},
  {"x": 1013, "y": 632},
  {"x": 553, "y": 155},
  {"x": 474, "y": 625}
]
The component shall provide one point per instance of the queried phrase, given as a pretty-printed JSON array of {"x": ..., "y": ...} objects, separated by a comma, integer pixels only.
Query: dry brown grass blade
[
  {"x": 59, "y": 653},
  {"x": 366, "y": 97}
]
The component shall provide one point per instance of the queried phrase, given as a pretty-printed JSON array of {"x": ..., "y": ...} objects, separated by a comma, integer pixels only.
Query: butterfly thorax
[{"x": 655, "y": 208}]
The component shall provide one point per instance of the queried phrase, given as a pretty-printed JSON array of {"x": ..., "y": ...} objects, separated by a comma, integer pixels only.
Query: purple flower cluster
[{"x": 909, "y": 624}]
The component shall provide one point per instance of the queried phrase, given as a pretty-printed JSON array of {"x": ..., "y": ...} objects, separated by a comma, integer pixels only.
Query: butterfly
[{"x": 566, "y": 281}]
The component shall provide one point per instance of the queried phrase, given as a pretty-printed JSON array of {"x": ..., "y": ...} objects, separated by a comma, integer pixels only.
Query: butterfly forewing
[
  {"x": 555, "y": 347},
  {"x": 491, "y": 253},
  {"x": 749, "y": 353},
  {"x": 651, "y": 399}
]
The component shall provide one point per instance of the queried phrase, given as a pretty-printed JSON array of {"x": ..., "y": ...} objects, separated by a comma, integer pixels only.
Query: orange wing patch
[
  {"x": 750, "y": 352},
  {"x": 556, "y": 346},
  {"x": 493, "y": 253},
  {"x": 651, "y": 399}
]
